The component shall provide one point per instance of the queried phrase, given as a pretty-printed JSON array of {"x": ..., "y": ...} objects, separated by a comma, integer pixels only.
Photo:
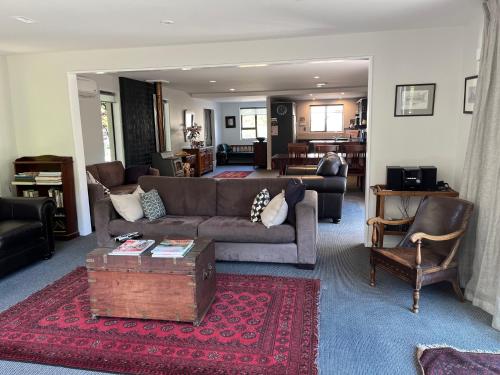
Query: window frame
[
  {"x": 108, "y": 100},
  {"x": 326, "y": 118},
  {"x": 255, "y": 123}
]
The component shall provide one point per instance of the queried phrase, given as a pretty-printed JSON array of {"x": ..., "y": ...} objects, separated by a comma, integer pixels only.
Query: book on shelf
[
  {"x": 30, "y": 193},
  {"x": 58, "y": 197},
  {"x": 172, "y": 248},
  {"x": 133, "y": 247},
  {"x": 50, "y": 174}
]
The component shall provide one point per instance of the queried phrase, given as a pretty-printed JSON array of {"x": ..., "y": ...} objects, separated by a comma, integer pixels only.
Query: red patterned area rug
[
  {"x": 446, "y": 360},
  {"x": 233, "y": 174},
  {"x": 256, "y": 325}
]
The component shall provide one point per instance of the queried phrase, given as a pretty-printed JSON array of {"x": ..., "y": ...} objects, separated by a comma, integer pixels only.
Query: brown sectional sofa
[
  {"x": 116, "y": 178},
  {"x": 220, "y": 209}
]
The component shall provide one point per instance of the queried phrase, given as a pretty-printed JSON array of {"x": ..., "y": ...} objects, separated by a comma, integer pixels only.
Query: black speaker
[
  {"x": 429, "y": 178},
  {"x": 394, "y": 178}
]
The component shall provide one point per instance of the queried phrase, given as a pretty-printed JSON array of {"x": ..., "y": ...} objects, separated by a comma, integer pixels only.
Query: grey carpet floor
[{"x": 363, "y": 330}]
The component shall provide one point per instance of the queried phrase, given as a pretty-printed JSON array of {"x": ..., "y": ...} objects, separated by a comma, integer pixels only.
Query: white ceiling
[
  {"x": 78, "y": 24},
  {"x": 292, "y": 80}
]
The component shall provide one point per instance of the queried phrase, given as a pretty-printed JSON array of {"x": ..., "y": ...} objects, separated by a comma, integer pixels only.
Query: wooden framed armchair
[{"x": 428, "y": 252}]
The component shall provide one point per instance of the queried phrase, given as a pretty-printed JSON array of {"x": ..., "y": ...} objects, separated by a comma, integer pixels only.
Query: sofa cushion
[
  {"x": 241, "y": 229},
  {"x": 14, "y": 233},
  {"x": 235, "y": 195},
  {"x": 186, "y": 226},
  {"x": 185, "y": 196},
  {"x": 329, "y": 165},
  {"x": 111, "y": 174},
  {"x": 123, "y": 189}
]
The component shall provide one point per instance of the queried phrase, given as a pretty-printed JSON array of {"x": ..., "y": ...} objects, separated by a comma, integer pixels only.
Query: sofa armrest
[
  {"x": 294, "y": 170},
  {"x": 40, "y": 209},
  {"x": 153, "y": 172},
  {"x": 306, "y": 227},
  {"x": 104, "y": 212}
]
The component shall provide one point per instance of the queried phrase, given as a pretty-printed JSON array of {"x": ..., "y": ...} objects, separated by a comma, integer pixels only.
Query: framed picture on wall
[
  {"x": 415, "y": 100},
  {"x": 470, "y": 94},
  {"x": 230, "y": 121}
]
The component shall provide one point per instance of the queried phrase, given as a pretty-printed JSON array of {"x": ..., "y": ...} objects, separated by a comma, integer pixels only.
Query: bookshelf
[{"x": 58, "y": 182}]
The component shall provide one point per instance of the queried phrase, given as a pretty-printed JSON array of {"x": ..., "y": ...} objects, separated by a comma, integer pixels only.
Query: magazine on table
[
  {"x": 133, "y": 247},
  {"x": 172, "y": 248}
]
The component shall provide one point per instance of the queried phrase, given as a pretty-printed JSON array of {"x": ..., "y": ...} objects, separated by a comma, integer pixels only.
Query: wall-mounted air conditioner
[{"x": 86, "y": 87}]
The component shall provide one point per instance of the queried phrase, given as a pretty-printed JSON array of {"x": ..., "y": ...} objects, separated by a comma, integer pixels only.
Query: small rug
[
  {"x": 446, "y": 360},
  {"x": 256, "y": 325},
  {"x": 233, "y": 174}
]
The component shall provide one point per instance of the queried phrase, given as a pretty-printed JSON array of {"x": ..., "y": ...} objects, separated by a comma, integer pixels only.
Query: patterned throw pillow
[
  {"x": 259, "y": 203},
  {"x": 152, "y": 205}
]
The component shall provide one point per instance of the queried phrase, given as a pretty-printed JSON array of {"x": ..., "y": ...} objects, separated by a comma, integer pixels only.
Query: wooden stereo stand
[{"x": 381, "y": 192}]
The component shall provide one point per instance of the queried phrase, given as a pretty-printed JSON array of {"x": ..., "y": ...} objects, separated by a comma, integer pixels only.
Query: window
[
  {"x": 328, "y": 118},
  {"x": 253, "y": 123},
  {"x": 108, "y": 130}
]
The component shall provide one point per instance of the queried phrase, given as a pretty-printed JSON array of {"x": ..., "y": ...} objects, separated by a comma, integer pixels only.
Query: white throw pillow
[
  {"x": 275, "y": 212},
  {"x": 128, "y": 205}
]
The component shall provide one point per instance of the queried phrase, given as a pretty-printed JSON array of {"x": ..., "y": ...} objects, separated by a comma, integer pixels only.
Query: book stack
[
  {"x": 58, "y": 197},
  {"x": 24, "y": 178},
  {"x": 133, "y": 247},
  {"x": 169, "y": 248},
  {"x": 49, "y": 178}
]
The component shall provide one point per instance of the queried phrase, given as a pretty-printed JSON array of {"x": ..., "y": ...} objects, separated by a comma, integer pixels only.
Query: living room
[{"x": 358, "y": 325}]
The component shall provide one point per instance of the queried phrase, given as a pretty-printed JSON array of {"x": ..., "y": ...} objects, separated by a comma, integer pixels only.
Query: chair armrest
[
  {"x": 377, "y": 240},
  {"x": 306, "y": 227},
  {"x": 153, "y": 171},
  {"x": 41, "y": 209},
  {"x": 445, "y": 237},
  {"x": 300, "y": 170},
  {"x": 379, "y": 220},
  {"x": 20, "y": 208},
  {"x": 104, "y": 212}
]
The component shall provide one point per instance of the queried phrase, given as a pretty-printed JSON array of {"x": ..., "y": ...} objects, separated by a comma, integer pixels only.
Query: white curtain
[{"x": 480, "y": 255}]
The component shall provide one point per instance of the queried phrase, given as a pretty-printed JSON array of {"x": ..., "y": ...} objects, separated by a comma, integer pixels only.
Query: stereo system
[{"x": 411, "y": 178}]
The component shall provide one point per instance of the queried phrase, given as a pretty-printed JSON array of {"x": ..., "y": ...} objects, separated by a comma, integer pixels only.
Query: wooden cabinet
[
  {"x": 260, "y": 154},
  {"x": 204, "y": 159},
  {"x": 61, "y": 188}
]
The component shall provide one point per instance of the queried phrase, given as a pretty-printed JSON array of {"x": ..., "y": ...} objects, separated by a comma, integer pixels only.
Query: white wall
[
  {"x": 40, "y": 103},
  {"x": 232, "y": 136},
  {"x": 8, "y": 150},
  {"x": 178, "y": 101},
  {"x": 90, "y": 115}
]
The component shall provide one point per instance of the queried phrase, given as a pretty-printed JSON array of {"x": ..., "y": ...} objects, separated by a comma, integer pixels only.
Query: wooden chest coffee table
[{"x": 180, "y": 289}]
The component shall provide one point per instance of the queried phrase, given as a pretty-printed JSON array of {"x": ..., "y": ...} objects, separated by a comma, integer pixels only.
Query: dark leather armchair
[
  {"x": 428, "y": 252},
  {"x": 26, "y": 231},
  {"x": 329, "y": 180}
]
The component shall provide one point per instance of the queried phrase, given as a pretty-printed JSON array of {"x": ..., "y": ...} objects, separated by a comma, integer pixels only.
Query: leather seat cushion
[
  {"x": 17, "y": 232},
  {"x": 406, "y": 256},
  {"x": 241, "y": 229},
  {"x": 169, "y": 225}
]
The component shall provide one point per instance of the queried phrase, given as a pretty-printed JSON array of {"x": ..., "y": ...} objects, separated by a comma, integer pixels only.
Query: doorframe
[{"x": 79, "y": 154}]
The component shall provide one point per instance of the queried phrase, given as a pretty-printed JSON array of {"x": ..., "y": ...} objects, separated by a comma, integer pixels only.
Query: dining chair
[
  {"x": 297, "y": 153},
  {"x": 355, "y": 155},
  {"x": 324, "y": 148}
]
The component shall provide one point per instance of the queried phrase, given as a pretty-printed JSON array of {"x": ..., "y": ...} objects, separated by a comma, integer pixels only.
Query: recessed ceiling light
[
  {"x": 24, "y": 19},
  {"x": 167, "y": 22},
  {"x": 310, "y": 94},
  {"x": 316, "y": 77},
  {"x": 100, "y": 72},
  {"x": 252, "y": 65},
  {"x": 186, "y": 68},
  {"x": 342, "y": 93},
  {"x": 212, "y": 81},
  {"x": 314, "y": 98},
  {"x": 321, "y": 84},
  {"x": 232, "y": 89}
]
